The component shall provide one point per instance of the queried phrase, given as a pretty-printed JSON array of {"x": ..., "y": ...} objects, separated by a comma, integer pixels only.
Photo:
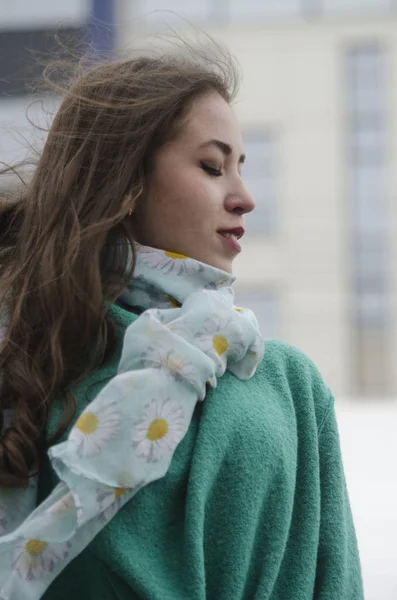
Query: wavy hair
[{"x": 65, "y": 238}]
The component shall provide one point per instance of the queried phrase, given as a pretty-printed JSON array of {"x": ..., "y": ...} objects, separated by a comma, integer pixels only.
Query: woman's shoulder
[
  {"x": 266, "y": 424},
  {"x": 296, "y": 372},
  {"x": 287, "y": 381},
  {"x": 293, "y": 362}
]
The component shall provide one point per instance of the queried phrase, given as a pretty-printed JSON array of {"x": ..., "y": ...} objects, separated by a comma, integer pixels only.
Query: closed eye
[{"x": 211, "y": 170}]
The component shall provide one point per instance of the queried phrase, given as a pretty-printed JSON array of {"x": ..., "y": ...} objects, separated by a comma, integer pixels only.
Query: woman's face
[{"x": 196, "y": 200}]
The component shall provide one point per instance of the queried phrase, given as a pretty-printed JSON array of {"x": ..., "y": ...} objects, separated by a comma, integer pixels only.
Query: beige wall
[
  {"x": 291, "y": 81},
  {"x": 294, "y": 78},
  {"x": 294, "y": 82}
]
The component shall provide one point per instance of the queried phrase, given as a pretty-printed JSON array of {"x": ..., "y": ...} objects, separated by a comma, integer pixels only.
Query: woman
[{"x": 181, "y": 463}]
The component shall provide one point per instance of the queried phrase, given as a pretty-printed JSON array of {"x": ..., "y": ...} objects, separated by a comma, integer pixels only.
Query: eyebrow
[{"x": 223, "y": 147}]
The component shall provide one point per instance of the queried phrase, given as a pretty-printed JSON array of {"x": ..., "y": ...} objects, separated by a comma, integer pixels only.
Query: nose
[{"x": 240, "y": 200}]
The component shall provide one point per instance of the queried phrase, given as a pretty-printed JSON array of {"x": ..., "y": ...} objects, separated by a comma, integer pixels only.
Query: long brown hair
[{"x": 65, "y": 239}]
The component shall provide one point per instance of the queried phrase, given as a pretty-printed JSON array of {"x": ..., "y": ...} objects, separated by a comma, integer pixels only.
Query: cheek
[
  {"x": 167, "y": 210},
  {"x": 180, "y": 200}
]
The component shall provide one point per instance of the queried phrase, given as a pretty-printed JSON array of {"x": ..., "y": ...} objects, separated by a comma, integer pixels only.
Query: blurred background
[{"x": 318, "y": 109}]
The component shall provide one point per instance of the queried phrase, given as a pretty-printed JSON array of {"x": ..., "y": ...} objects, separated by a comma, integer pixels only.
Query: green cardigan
[{"x": 254, "y": 505}]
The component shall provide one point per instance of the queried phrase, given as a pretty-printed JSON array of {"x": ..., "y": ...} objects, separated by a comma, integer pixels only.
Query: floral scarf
[{"x": 188, "y": 334}]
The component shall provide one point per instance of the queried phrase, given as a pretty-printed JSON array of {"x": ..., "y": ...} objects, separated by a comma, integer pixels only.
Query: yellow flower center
[
  {"x": 119, "y": 492},
  {"x": 35, "y": 547},
  {"x": 87, "y": 423},
  {"x": 238, "y": 309},
  {"x": 220, "y": 344},
  {"x": 157, "y": 430},
  {"x": 175, "y": 256}
]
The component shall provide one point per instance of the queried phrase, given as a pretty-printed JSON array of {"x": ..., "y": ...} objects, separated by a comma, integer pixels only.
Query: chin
[
  {"x": 227, "y": 268},
  {"x": 223, "y": 265}
]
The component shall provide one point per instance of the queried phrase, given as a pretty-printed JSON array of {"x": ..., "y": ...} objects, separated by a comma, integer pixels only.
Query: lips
[
  {"x": 230, "y": 236},
  {"x": 234, "y": 233}
]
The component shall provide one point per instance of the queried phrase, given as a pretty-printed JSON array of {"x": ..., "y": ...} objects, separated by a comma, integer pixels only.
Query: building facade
[
  {"x": 318, "y": 112},
  {"x": 317, "y": 108}
]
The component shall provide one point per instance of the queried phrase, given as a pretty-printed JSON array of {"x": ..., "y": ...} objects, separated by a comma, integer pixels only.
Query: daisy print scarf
[{"x": 187, "y": 335}]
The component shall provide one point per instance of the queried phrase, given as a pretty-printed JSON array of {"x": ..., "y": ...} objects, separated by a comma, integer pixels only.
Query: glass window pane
[
  {"x": 246, "y": 9},
  {"x": 369, "y": 217},
  {"x": 371, "y": 270},
  {"x": 366, "y": 100},
  {"x": 263, "y": 220},
  {"x": 369, "y": 184},
  {"x": 260, "y": 151},
  {"x": 369, "y": 205},
  {"x": 261, "y": 178},
  {"x": 366, "y": 79},
  {"x": 368, "y": 146},
  {"x": 372, "y": 309}
]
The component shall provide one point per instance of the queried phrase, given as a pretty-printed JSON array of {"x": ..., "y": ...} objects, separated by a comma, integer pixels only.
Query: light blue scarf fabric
[{"x": 188, "y": 335}]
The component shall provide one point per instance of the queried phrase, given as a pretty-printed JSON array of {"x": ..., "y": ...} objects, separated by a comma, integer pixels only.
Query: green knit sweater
[{"x": 254, "y": 505}]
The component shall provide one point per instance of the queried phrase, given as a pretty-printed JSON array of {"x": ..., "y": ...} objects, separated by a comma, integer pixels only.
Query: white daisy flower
[
  {"x": 34, "y": 558},
  {"x": 110, "y": 499},
  {"x": 159, "y": 430},
  {"x": 93, "y": 429},
  {"x": 168, "y": 262},
  {"x": 169, "y": 360},
  {"x": 216, "y": 341}
]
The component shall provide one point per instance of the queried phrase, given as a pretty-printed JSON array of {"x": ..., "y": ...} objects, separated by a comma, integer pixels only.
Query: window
[
  {"x": 368, "y": 199},
  {"x": 33, "y": 33},
  {"x": 102, "y": 26},
  {"x": 260, "y": 174},
  {"x": 368, "y": 146},
  {"x": 369, "y": 216},
  {"x": 266, "y": 306},
  {"x": 23, "y": 54}
]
